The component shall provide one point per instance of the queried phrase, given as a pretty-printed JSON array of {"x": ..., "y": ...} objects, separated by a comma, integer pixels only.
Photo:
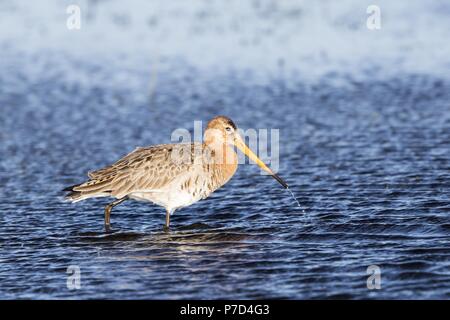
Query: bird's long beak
[{"x": 239, "y": 143}]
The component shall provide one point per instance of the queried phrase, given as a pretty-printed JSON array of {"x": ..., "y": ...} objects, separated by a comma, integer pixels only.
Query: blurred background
[
  {"x": 295, "y": 37},
  {"x": 364, "y": 121}
]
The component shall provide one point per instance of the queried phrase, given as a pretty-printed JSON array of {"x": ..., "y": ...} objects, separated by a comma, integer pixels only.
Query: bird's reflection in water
[{"x": 194, "y": 238}]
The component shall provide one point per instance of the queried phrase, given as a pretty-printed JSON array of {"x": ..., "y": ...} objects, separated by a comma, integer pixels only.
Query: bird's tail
[
  {"x": 73, "y": 195},
  {"x": 90, "y": 189}
]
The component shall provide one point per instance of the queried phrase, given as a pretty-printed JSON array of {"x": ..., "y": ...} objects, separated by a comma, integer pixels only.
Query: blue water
[{"x": 367, "y": 157}]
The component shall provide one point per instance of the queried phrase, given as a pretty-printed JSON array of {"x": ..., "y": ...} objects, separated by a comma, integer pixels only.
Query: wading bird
[{"x": 171, "y": 175}]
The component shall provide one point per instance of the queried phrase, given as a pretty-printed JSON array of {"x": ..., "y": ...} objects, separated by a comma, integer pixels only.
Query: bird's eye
[{"x": 228, "y": 129}]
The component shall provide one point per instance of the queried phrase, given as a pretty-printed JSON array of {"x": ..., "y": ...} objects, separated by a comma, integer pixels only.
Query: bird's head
[{"x": 221, "y": 131}]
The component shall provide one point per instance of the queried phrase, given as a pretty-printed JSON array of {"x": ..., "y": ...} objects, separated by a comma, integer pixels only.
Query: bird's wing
[
  {"x": 144, "y": 169},
  {"x": 137, "y": 153}
]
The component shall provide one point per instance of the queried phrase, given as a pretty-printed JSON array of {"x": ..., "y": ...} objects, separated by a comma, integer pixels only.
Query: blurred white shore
[{"x": 301, "y": 37}]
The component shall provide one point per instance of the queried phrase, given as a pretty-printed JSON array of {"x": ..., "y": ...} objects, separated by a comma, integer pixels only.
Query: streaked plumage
[{"x": 169, "y": 175}]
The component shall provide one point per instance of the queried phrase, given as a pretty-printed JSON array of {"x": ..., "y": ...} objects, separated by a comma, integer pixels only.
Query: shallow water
[
  {"x": 369, "y": 164},
  {"x": 367, "y": 157}
]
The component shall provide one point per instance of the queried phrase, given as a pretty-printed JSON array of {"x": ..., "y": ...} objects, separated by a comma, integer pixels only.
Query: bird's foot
[
  {"x": 108, "y": 228},
  {"x": 166, "y": 228}
]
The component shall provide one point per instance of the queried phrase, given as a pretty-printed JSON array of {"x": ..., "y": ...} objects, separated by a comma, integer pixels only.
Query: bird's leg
[
  {"x": 108, "y": 209},
  {"x": 166, "y": 226}
]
